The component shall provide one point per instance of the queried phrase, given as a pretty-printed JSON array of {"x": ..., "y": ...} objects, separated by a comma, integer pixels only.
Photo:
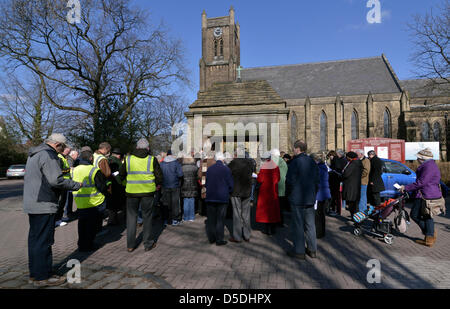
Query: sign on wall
[{"x": 411, "y": 149}]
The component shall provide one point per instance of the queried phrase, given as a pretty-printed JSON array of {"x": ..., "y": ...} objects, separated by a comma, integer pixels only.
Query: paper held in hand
[{"x": 397, "y": 186}]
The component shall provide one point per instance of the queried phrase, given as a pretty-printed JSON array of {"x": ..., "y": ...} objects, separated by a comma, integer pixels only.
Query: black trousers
[
  {"x": 216, "y": 221},
  {"x": 320, "y": 218},
  {"x": 171, "y": 204},
  {"x": 147, "y": 216},
  {"x": 61, "y": 204},
  {"x": 40, "y": 241},
  {"x": 90, "y": 223}
]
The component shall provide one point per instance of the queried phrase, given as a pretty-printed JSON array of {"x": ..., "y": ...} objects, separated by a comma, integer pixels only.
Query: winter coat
[
  {"x": 365, "y": 171},
  {"x": 142, "y": 153},
  {"x": 376, "y": 183},
  {"x": 242, "y": 170},
  {"x": 189, "y": 188},
  {"x": 282, "y": 165},
  {"x": 44, "y": 181},
  {"x": 219, "y": 183},
  {"x": 324, "y": 188},
  {"x": 172, "y": 172},
  {"x": 302, "y": 181},
  {"x": 351, "y": 190},
  {"x": 335, "y": 175},
  {"x": 268, "y": 207},
  {"x": 427, "y": 181}
]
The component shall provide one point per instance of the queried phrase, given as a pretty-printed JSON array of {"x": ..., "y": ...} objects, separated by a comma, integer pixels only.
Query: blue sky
[{"x": 297, "y": 31}]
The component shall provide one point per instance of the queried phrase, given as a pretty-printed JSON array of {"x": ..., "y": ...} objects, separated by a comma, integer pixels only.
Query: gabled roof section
[
  {"x": 328, "y": 79},
  {"x": 243, "y": 93},
  {"x": 424, "y": 88}
]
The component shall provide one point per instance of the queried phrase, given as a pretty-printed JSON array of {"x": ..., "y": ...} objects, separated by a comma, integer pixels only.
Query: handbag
[{"x": 433, "y": 207}]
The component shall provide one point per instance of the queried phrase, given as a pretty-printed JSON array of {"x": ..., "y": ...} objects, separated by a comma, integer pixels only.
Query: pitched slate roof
[
  {"x": 244, "y": 93},
  {"x": 422, "y": 88},
  {"x": 327, "y": 79}
]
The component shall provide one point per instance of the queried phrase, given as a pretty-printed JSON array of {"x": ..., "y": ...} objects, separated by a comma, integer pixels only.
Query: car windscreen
[
  {"x": 393, "y": 168},
  {"x": 17, "y": 167}
]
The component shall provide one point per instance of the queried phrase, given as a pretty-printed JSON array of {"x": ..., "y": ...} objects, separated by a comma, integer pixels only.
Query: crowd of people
[{"x": 104, "y": 182}]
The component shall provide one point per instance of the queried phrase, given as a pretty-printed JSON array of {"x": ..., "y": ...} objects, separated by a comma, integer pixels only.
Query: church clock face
[{"x": 218, "y": 32}]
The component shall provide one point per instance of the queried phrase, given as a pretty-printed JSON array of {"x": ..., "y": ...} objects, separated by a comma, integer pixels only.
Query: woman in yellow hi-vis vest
[
  {"x": 143, "y": 177},
  {"x": 90, "y": 200}
]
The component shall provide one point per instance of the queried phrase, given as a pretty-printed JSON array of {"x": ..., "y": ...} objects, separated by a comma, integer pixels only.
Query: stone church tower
[
  {"x": 326, "y": 103},
  {"x": 220, "y": 50}
]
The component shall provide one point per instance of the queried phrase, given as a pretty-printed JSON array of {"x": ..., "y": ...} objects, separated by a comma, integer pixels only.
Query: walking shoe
[
  {"x": 332, "y": 213},
  {"x": 60, "y": 223},
  {"x": 53, "y": 281},
  {"x": 428, "y": 241},
  {"x": 150, "y": 248},
  {"x": 297, "y": 256},
  {"x": 221, "y": 243},
  {"x": 311, "y": 254},
  {"x": 175, "y": 223},
  {"x": 231, "y": 239}
]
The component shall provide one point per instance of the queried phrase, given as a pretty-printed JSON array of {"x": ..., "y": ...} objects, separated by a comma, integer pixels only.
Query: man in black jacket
[
  {"x": 241, "y": 170},
  {"x": 376, "y": 184},
  {"x": 302, "y": 184},
  {"x": 144, "y": 197}
]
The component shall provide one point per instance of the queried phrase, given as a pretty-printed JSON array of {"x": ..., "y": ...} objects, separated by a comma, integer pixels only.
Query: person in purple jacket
[{"x": 426, "y": 186}]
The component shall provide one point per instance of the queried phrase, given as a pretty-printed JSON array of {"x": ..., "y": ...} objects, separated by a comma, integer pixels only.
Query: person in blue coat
[
  {"x": 219, "y": 186},
  {"x": 323, "y": 194}
]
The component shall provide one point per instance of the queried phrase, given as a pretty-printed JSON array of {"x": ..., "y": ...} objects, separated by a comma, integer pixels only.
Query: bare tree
[
  {"x": 28, "y": 110},
  {"x": 156, "y": 124},
  {"x": 431, "y": 34},
  {"x": 113, "y": 54}
]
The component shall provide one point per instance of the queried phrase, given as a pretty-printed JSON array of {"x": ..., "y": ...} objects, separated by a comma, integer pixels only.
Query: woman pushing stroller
[{"x": 426, "y": 187}]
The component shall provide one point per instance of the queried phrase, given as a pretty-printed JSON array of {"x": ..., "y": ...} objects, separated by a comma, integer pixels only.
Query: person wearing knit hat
[
  {"x": 425, "y": 154},
  {"x": 427, "y": 187}
]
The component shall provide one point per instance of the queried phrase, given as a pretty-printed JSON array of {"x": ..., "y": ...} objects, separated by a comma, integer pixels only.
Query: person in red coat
[{"x": 268, "y": 207}]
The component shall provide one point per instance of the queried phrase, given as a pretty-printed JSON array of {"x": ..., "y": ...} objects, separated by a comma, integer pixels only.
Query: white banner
[{"x": 411, "y": 149}]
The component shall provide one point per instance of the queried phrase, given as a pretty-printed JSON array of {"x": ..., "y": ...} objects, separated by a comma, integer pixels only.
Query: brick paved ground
[{"x": 184, "y": 258}]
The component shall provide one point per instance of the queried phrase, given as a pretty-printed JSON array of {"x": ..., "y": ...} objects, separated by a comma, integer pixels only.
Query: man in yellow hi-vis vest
[
  {"x": 90, "y": 200},
  {"x": 62, "y": 220},
  {"x": 143, "y": 178}
]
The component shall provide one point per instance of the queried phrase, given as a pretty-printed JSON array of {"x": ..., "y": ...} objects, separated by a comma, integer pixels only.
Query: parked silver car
[{"x": 16, "y": 171}]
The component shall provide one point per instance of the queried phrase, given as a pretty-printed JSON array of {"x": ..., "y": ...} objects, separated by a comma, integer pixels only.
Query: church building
[{"x": 325, "y": 103}]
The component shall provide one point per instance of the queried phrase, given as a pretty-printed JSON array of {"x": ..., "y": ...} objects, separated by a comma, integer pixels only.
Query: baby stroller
[{"x": 382, "y": 226}]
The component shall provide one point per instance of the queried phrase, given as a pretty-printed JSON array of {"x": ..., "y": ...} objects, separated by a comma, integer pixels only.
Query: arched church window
[
  {"x": 355, "y": 125},
  {"x": 437, "y": 131},
  {"x": 221, "y": 47},
  {"x": 425, "y": 132},
  {"x": 323, "y": 131},
  {"x": 387, "y": 124},
  {"x": 215, "y": 48}
]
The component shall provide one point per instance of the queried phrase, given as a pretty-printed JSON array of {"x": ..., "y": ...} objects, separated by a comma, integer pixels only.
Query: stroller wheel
[
  {"x": 388, "y": 238},
  {"x": 357, "y": 231}
]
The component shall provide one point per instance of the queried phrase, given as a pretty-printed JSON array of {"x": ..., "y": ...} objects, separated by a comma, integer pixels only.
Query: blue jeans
[
  {"x": 303, "y": 228},
  {"x": 426, "y": 224},
  {"x": 188, "y": 209},
  {"x": 363, "y": 198},
  {"x": 40, "y": 241}
]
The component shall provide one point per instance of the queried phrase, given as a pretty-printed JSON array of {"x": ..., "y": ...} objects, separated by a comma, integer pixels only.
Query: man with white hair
[
  {"x": 219, "y": 185},
  {"x": 43, "y": 182},
  {"x": 144, "y": 176},
  {"x": 282, "y": 165}
]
